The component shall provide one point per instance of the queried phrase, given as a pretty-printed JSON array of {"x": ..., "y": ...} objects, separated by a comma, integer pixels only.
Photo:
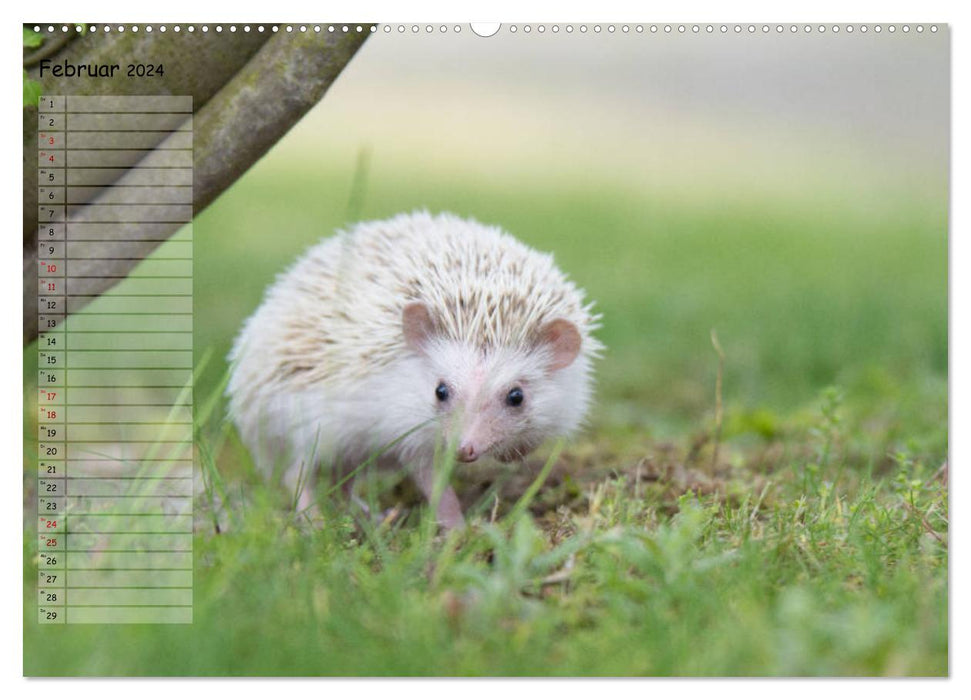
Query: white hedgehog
[{"x": 415, "y": 332}]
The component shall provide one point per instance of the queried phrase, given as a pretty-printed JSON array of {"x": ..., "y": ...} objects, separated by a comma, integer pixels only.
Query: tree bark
[
  {"x": 248, "y": 90},
  {"x": 200, "y": 71}
]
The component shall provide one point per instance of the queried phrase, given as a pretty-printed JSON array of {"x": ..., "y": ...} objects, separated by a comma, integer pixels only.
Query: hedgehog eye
[
  {"x": 515, "y": 397},
  {"x": 441, "y": 392}
]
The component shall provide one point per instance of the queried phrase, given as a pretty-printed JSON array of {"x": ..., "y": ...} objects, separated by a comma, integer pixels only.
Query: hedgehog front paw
[{"x": 449, "y": 513}]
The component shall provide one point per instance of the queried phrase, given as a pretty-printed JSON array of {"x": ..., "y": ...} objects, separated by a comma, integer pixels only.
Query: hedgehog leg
[
  {"x": 449, "y": 513},
  {"x": 301, "y": 483},
  {"x": 347, "y": 489}
]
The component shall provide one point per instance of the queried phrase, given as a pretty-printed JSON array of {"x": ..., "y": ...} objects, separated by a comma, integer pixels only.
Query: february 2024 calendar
[
  {"x": 657, "y": 311},
  {"x": 114, "y": 173},
  {"x": 114, "y": 389}
]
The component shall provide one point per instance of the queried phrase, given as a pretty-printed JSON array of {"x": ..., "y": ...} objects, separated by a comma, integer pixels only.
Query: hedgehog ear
[
  {"x": 417, "y": 324},
  {"x": 563, "y": 340}
]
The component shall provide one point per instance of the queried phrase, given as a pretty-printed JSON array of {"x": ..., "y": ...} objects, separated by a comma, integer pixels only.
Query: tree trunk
[{"x": 248, "y": 90}]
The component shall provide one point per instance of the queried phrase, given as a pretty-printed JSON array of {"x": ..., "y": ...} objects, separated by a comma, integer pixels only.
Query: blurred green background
[{"x": 790, "y": 193}]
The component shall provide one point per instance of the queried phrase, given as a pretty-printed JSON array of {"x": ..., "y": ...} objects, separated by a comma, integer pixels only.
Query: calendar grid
[{"x": 115, "y": 468}]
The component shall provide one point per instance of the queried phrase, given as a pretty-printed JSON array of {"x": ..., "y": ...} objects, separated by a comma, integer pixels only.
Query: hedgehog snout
[
  {"x": 472, "y": 442},
  {"x": 477, "y": 434},
  {"x": 467, "y": 453}
]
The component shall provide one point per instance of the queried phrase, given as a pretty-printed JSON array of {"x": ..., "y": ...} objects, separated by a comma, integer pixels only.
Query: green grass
[
  {"x": 796, "y": 577},
  {"x": 816, "y": 544}
]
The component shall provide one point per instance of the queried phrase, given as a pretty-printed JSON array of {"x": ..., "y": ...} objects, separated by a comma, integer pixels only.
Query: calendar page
[{"x": 514, "y": 349}]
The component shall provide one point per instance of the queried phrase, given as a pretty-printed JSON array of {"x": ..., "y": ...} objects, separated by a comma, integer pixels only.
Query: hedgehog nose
[{"x": 467, "y": 452}]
